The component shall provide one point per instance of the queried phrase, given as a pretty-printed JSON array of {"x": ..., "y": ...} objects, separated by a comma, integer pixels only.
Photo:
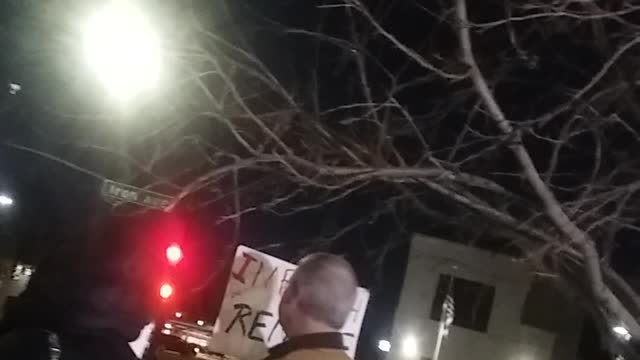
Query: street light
[
  {"x": 384, "y": 345},
  {"x": 122, "y": 49},
  {"x": 410, "y": 346},
  {"x": 622, "y": 331},
  {"x": 5, "y": 200}
]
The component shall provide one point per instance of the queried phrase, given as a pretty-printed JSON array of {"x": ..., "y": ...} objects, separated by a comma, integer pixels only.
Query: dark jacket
[
  {"x": 320, "y": 346},
  {"x": 34, "y": 331},
  {"x": 91, "y": 302},
  {"x": 39, "y": 344}
]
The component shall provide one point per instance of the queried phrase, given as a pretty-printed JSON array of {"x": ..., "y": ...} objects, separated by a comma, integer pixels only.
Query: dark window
[
  {"x": 545, "y": 306},
  {"x": 472, "y": 302}
]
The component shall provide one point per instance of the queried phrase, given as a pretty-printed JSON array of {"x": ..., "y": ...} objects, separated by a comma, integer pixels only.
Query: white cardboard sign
[{"x": 248, "y": 324}]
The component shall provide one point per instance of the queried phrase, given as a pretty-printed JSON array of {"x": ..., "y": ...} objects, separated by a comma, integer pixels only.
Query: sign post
[
  {"x": 248, "y": 323},
  {"x": 131, "y": 194}
]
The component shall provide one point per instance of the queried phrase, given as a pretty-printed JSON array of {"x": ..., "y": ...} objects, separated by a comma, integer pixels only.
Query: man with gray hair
[{"x": 314, "y": 308}]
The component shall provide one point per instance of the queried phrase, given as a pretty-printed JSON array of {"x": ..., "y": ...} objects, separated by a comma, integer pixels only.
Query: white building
[{"x": 501, "y": 310}]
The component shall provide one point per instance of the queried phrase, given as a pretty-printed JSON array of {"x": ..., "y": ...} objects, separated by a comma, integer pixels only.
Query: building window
[
  {"x": 545, "y": 306},
  {"x": 472, "y": 302}
]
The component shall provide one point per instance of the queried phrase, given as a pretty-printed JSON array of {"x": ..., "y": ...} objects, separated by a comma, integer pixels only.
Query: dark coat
[
  {"x": 38, "y": 344},
  {"x": 320, "y": 346},
  {"x": 93, "y": 301},
  {"x": 35, "y": 330}
]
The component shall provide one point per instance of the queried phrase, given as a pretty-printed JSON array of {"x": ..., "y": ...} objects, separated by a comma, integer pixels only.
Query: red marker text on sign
[{"x": 239, "y": 275}]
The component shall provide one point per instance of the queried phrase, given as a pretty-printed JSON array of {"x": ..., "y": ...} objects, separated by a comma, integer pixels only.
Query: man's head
[{"x": 320, "y": 295}]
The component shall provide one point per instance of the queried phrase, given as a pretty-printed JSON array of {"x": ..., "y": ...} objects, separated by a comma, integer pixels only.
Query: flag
[{"x": 448, "y": 313}]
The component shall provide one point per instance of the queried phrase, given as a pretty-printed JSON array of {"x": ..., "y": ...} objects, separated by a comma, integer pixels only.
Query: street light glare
[
  {"x": 620, "y": 330},
  {"x": 5, "y": 200},
  {"x": 410, "y": 346},
  {"x": 122, "y": 49}
]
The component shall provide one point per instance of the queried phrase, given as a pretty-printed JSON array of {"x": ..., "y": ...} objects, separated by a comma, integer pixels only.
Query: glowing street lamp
[
  {"x": 622, "y": 331},
  {"x": 5, "y": 200},
  {"x": 410, "y": 347},
  {"x": 122, "y": 49},
  {"x": 384, "y": 345}
]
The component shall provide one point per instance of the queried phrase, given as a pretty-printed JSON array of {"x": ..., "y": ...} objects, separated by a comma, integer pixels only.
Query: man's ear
[
  {"x": 291, "y": 292},
  {"x": 287, "y": 297}
]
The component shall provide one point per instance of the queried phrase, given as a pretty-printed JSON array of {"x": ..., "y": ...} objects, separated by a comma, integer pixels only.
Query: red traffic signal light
[
  {"x": 166, "y": 290},
  {"x": 174, "y": 254}
]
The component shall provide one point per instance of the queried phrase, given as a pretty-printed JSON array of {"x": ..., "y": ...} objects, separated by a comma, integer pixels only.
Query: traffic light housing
[{"x": 173, "y": 255}]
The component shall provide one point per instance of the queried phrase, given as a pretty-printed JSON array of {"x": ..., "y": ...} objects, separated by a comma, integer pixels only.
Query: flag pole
[
  {"x": 436, "y": 350},
  {"x": 446, "y": 319}
]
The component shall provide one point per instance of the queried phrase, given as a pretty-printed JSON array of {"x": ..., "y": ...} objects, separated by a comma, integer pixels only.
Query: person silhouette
[{"x": 314, "y": 308}]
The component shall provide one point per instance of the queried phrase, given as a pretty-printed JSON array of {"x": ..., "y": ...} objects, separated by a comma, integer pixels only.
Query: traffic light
[
  {"x": 166, "y": 290},
  {"x": 174, "y": 254}
]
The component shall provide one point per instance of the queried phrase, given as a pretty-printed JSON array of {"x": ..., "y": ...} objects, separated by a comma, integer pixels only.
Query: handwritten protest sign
[{"x": 248, "y": 323}]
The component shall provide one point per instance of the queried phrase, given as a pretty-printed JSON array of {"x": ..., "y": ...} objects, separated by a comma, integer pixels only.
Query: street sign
[{"x": 131, "y": 194}]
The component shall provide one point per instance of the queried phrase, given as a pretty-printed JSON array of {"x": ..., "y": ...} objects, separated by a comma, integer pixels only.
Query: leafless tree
[
  {"x": 521, "y": 114},
  {"x": 506, "y": 159}
]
